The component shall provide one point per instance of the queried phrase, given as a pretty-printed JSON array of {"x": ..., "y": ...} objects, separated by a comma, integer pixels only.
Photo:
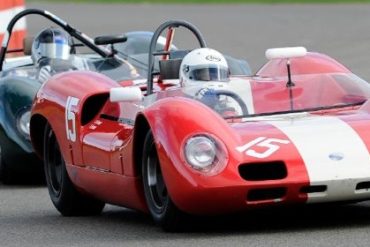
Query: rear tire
[
  {"x": 163, "y": 210},
  {"x": 65, "y": 197}
]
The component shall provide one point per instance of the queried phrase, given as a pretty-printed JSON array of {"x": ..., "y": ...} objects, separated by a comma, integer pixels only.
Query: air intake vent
[
  {"x": 314, "y": 189},
  {"x": 363, "y": 186},
  {"x": 266, "y": 194},
  {"x": 263, "y": 171}
]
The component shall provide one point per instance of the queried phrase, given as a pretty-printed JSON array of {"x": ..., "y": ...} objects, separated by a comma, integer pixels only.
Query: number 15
[{"x": 271, "y": 145}]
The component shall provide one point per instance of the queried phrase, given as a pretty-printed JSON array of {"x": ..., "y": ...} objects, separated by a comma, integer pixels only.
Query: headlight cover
[
  {"x": 23, "y": 123},
  {"x": 205, "y": 154}
]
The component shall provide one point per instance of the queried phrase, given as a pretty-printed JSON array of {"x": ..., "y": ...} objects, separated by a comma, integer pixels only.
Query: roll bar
[
  {"x": 153, "y": 43},
  {"x": 86, "y": 40}
]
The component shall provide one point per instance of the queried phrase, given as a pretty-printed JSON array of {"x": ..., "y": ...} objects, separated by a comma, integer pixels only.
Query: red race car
[{"x": 193, "y": 140}]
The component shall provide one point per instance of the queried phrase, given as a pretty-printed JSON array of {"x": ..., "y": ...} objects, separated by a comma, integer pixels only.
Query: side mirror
[
  {"x": 111, "y": 39},
  {"x": 125, "y": 94},
  {"x": 287, "y": 52}
]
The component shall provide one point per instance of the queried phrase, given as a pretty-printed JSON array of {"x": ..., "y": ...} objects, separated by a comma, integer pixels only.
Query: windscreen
[
  {"x": 249, "y": 97},
  {"x": 309, "y": 93}
]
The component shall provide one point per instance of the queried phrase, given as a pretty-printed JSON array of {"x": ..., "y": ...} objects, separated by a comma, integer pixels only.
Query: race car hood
[{"x": 333, "y": 149}]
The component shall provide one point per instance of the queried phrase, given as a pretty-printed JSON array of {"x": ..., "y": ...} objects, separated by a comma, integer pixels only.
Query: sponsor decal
[
  {"x": 336, "y": 156},
  {"x": 213, "y": 58}
]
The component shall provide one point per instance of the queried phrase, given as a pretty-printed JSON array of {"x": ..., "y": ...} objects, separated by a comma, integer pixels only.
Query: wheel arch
[
  {"x": 37, "y": 128},
  {"x": 51, "y": 100},
  {"x": 142, "y": 127},
  {"x": 16, "y": 96},
  {"x": 172, "y": 121}
]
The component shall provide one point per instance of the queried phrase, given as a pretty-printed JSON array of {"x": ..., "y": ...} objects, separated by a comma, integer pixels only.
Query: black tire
[
  {"x": 162, "y": 209},
  {"x": 63, "y": 194}
]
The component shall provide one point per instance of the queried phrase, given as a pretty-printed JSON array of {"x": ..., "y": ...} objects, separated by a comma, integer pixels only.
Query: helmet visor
[
  {"x": 54, "y": 50},
  {"x": 209, "y": 73}
]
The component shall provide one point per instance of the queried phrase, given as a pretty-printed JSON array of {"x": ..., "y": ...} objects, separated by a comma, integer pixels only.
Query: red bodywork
[{"x": 104, "y": 161}]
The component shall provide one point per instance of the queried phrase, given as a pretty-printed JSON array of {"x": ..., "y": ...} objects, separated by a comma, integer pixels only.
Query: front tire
[
  {"x": 65, "y": 197},
  {"x": 163, "y": 210}
]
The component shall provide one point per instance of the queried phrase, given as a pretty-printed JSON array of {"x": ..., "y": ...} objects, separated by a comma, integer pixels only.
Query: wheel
[
  {"x": 63, "y": 194},
  {"x": 160, "y": 205}
]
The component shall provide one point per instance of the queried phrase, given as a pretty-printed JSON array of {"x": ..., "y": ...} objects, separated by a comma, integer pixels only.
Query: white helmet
[
  {"x": 203, "y": 65},
  {"x": 51, "y": 43}
]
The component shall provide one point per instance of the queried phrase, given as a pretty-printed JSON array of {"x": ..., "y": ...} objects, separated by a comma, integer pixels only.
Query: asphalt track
[
  {"x": 27, "y": 217},
  {"x": 245, "y": 31}
]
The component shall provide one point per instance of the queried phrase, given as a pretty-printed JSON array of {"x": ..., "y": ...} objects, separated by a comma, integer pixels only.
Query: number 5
[
  {"x": 71, "y": 116},
  {"x": 263, "y": 142}
]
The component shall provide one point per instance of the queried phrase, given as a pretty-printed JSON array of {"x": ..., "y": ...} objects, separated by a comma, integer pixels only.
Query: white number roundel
[{"x": 70, "y": 118}]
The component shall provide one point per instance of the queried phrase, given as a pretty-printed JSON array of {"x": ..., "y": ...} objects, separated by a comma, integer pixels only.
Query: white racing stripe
[
  {"x": 7, "y": 15},
  {"x": 333, "y": 153}
]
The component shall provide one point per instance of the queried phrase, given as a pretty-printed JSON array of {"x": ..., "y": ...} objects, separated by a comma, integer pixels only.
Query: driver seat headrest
[
  {"x": 27, "y": 45},
  {"x": 169, "y": 69}
]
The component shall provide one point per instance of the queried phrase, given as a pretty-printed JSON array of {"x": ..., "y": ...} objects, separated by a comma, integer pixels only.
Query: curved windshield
[
  {"x": 310, "y": 92},
  {"x": 244, "y": 98}
]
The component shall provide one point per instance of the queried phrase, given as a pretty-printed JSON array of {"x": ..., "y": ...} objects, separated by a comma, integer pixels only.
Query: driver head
[
  {"x": 203, "y": 65},
  {"x": 51, "y": 43}
]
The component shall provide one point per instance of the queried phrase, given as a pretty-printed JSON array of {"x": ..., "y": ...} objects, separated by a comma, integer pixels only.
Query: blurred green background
[{"x": 206, "y": 1}]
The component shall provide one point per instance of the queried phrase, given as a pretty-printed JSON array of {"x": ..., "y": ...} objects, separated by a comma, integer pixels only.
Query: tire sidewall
[
  {"x": 169, "y": 215},
  {"x": 59, "y": 200},
  {"x": 68, "y": 201},
  {"x": 54, "y": 198},
  {"x": 157, "y": 216}
]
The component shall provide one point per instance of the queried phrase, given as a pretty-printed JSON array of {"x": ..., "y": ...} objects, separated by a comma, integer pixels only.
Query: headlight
[
  {"x": 24, "y": 123},
  {"x": 203, "y": 153}
]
